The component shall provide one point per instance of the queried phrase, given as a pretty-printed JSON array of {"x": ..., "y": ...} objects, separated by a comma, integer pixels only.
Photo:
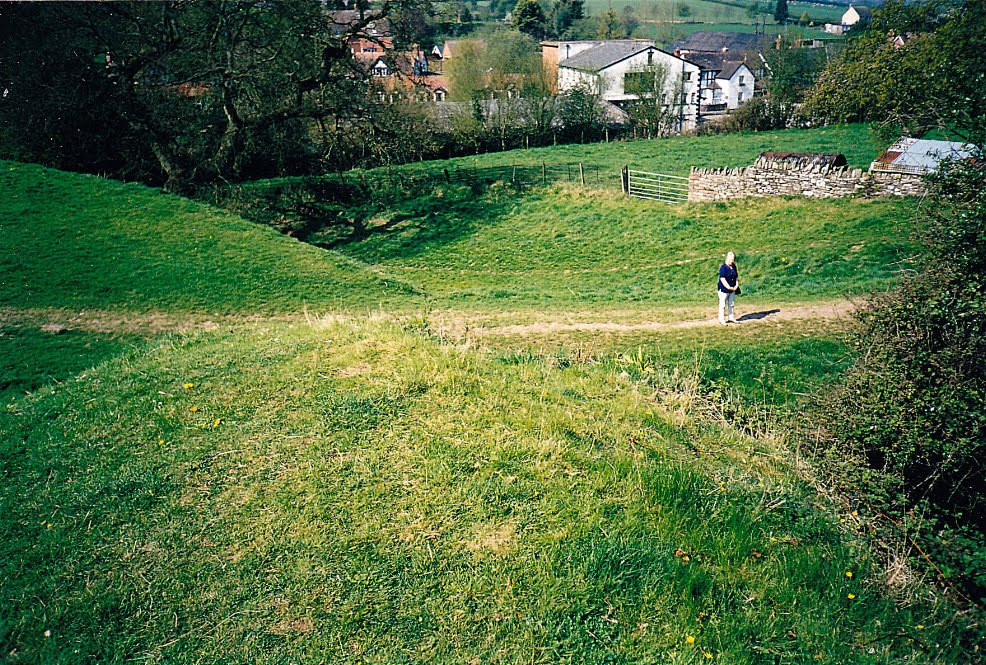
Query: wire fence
[{"x": 522, "y": 175}]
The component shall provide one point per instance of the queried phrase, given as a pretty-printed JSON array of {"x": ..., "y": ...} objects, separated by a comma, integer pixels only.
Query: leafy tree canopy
[
  {"x": 781, "y": 11},
  {"x": 529, "y": 18},
  {"x": 935, "y": 78}
]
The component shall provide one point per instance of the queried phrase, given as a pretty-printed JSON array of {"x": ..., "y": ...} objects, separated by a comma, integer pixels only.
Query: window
[
  {"x": 650, "y": 58},
  {"x": 686, "y": 76},
  {"x": 740, "y": 98},
  {"x": 741, "y": 80}
]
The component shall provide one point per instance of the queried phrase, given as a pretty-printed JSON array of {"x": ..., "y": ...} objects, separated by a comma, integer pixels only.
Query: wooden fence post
[
  {"x": 581, "y": 174},
  {"x": 544, "y": 174},
  {"x": 625, "y": 179}
]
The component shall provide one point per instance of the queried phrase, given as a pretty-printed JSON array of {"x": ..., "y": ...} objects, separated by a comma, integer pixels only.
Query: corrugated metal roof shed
[{"x": 919, "y": 156}]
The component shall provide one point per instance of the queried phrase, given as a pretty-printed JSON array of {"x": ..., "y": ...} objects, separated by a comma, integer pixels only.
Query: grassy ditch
[
  {"x": 79, "y": 242},
  {"x": 566, "y": 249}
]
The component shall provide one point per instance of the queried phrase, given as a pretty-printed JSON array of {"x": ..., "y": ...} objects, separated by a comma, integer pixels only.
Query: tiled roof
[
  {"x": 710, "y": 41},
  {"x": 718, "y": 63},
  {"x": 606, "y": 54}
]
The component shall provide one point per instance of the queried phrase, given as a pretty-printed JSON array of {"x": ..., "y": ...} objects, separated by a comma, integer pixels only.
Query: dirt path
[
  {"x": 562, "y": 322},
  {"x": 475, "y": 324}
]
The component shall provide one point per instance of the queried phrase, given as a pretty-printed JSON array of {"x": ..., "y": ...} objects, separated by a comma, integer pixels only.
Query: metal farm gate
[{"x": 655, "y": 186}]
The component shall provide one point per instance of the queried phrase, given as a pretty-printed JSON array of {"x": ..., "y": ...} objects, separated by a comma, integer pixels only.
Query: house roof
[
  {"x": 606, "y": 54},
  {"x": 711, "y": 41},
  {"x": 919, "y": 155},
  {"x": 730, "y": 68},
  {"x": 714, "y": 62},
  {"x": 340, "y": 21}
]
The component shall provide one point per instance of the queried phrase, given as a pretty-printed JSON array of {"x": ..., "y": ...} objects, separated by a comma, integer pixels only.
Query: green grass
[
  {"x": 675, "y": 156},
  {"x": 703, "y": 11},
  {"x": 354, "y": 492},
  {"x": 668, "y": 34},
  {"x": 84, "y": 242},
  {"x": 31, "y": 358},
  {"x": 564, "y": 249},
  {"x": 376, "y": 489}
]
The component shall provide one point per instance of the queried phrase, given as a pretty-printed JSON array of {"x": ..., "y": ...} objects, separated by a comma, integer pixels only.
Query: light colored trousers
[{"x": 724, "y": 300}]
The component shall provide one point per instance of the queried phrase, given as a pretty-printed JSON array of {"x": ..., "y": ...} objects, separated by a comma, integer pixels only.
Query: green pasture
[
  {"x": 668, "y": 34},
  {"x": 711, "y": 12},
  {"x": 675, "y": 156},
  {"x": 567, "y": 249},
  {"x": 78, "y": 242},
  {"x": 243, "y": 448}
]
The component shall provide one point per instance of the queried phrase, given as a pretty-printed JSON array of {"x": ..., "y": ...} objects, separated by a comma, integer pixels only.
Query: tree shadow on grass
[{"x": 404, "y": 229}]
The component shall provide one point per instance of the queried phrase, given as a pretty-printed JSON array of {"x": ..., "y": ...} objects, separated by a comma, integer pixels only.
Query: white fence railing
[{"x": 655, "y": 186}]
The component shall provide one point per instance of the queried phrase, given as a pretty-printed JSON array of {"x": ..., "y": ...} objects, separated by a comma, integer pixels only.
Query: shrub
[
  {"x": 913, "y": 408},
  {"x": 760, "y": 114}
]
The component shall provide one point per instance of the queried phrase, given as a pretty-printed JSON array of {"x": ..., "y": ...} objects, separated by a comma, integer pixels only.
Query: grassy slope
[
  {"x": 83, "y": 242},
  {"x": 352, "y": 492},
  {"x": 675, "y": 156},
  {"x": 356, "y": 491},
  {"x": 566, "y": 250}
]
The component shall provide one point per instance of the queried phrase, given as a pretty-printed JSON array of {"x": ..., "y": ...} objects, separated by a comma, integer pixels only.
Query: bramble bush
[{"x": 912, "y": 411}]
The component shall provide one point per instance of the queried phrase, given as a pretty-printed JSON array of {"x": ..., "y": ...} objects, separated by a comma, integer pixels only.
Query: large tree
[
  {"x": 180, "y": 92},
  {"x": 529, "y": 18},
  {"x": 781, "y": 11}
]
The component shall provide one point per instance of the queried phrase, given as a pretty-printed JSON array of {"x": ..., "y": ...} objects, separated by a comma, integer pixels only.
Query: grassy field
[
  {"x": 675, "y": 156},
  {"x": 350, "y": 491},
  {"x": 713, "y": 14},
  {"x": 568, "y": 250},
  {"x": 418, "y": 448}
]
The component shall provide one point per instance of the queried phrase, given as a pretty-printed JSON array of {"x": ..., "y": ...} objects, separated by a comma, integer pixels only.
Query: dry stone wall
[{"x": 772, "y": 178}]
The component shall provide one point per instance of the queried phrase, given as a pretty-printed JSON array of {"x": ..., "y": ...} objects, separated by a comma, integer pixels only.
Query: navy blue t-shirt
[{"x": 731, "y": 275}]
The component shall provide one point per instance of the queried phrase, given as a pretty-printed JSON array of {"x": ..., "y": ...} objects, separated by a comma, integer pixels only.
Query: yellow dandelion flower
[
  {"x": 690, "y": 639},
  {"x": 842, "y": 520},
  {"x": 217, "y": 423},
  {"x": 195, "y": 408},
  {"x": 188, "y": 386},
  {"x": 848, "y": 573},
  {"x": 855, "y": 514},
  {"x": 707, "y": 655},
  {"x": 920, "y": 626},
  {"x": 851, "y": 596}
]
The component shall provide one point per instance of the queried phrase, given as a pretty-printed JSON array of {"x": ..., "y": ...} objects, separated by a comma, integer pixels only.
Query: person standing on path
[{"x": 728, "y": 287}]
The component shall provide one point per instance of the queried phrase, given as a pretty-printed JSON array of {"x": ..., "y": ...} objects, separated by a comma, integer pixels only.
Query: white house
[
  {"x": 616, "y": 69},
  {"x": 854, "y": 15},
  {"x": 725, "y": 84}
]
